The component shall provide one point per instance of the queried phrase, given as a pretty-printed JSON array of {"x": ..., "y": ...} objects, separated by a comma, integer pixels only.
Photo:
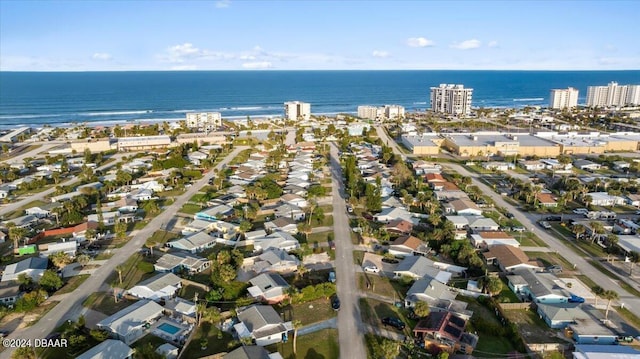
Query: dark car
[
  {"x": 394, "y": 322},
  {"x": 510, "y": 215},
  {"x": 335, "y": 303},
  {"x": 390, "y": 260},
  {"x": 554, "y": 218}
]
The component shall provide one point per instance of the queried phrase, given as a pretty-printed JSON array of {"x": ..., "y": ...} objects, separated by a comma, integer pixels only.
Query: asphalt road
[
  {"x": 350, "y": 326},
  {"x": 71, "y": 308},
  {"x": 19, "y": 159},
  {"x": 41, "y": 195},
  {"x": 529, "y": 220}
]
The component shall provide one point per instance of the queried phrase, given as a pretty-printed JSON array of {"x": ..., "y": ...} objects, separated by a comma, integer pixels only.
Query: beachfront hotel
[
  {"x": 204, "y": 121},
  {"x": 378, "y": 113},
  {"x": 563, "y": 98},
  {"x": 294, "y": 110},
  {"x": 613, "y": 95},
  {"x": 451, "y": 99}
]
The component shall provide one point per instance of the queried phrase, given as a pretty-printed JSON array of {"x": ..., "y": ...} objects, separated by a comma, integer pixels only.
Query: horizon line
[{"x": 316, "y": 70}]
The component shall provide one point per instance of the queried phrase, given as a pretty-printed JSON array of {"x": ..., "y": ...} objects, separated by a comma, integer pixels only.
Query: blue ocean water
[{"x": 38, "y": 98}]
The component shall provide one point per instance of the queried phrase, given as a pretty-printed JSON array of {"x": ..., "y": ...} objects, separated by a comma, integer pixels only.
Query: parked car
[
  {"x": 510, "y": 215},
  {"x": 335, "y": 303},
  {"x": 580, "y": 211},
  {"x": 545, "y": 225},
  {"x": 554, "y": 218},
  {"x": 349, "y": 209},
  {"x": 394, "y": 322},
  {"x": 390, "y": 260},
  {"x": 372, "y": 269},
  {"x": 332, "y": 277}
]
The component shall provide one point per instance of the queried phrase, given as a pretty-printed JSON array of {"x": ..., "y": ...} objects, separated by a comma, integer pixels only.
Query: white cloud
[
  {"x": 223, "y": 4},
  {"x": 184, "y": 67},
  {"x": 492, "y": 43},
  {"x": 419, "y": 42},
  {"x": 380, "y": 53},
  {"x": 257, "y": 65},
  {"x": 247, "y": 57},
  {"x": 102, "y": 56},
  {"x": 467, "y": 44}
]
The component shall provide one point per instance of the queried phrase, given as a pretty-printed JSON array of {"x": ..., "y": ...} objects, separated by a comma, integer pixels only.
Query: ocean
[{"x": 62, "y": 98}]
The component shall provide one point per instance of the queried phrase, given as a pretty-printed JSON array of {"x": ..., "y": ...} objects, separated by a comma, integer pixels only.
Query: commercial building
[
  {"x": 501, "y": 144},
  {"x": 294, "y": 110},
  {"x": 382, "y": 112},
  {"x": 204, "y": 121},
  {"x": 143, "y": 143},
  {"x": 613, "y": 95},
  {"x": 426, "y": 144},
  {"x": 451, "y": 99},
  {"x": 563, "y": 98}
]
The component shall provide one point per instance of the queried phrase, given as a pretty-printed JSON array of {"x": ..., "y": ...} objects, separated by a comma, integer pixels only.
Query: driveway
[
  {"x": 350, "y": 327},
  {"x": 72, "y": 307}
]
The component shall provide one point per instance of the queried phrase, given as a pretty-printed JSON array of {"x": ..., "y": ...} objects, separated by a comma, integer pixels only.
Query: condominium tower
[
  {"x": 451, "y": 99},
  {"x": 294, "y": 110},
  {"x": 204, "y": 121},
  {"x": 613, "y": 95},
  {"x": 377, "y": 113},
  {"x": 563, "y": 98}
]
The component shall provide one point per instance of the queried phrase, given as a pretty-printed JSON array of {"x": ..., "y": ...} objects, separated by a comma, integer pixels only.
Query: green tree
[
  {"x": 51, "y": 281},
  {"x": 60, "y": 259},
  {"x": 121, "y": 230},
  {"x": 421, "y": 309},
  {"x": 83, "y": 260},
  {"x": 597, "y": 292},
  {"x": 609, "y": 295},
  {"x": 493, "y": 285},
  {"x": 389, "y": 349},
  {"x": 296, "y": 325}
]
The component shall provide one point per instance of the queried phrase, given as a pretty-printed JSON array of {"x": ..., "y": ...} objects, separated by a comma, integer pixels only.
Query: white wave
[
  {"x": 247, "y": 108},
  {"x": 420, "y": 103},
  {"x": 529, "y": 99},
  {"x": 115, "y": 113},
  {"x": 9, "y": 117}
]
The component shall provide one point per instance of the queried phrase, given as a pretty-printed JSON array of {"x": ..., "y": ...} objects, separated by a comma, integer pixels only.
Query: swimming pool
[{"x": 168, "y": 328}]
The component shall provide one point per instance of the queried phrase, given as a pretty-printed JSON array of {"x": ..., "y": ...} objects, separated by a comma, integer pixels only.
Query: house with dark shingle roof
[
  {"x": 33, "y": 267},
  {"x": 445, "y": 331},
  {"x": 263, "y": 324},
  {"x": 268, "y": 287}
]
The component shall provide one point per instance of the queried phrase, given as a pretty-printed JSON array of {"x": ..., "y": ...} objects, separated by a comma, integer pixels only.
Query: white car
[{"x": 371, "y": 269}]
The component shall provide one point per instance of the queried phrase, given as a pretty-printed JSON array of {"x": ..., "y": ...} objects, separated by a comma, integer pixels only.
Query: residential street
[
  {"x": 40, "y": 196},
  {"x": 631, "y": 302},
  {"x": 350, "y": 326},
  {"x": 72, "y": 306}
]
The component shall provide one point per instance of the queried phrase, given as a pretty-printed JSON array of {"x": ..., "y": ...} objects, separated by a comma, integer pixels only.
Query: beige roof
[{"x": 507, "y": 255}]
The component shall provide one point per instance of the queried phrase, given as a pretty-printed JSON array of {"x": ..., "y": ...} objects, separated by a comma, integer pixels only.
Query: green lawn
[
  {"x": 189, "y": 291},
  {"x": 528, "y": 239},
  {"x": 318, "y": 237},
  {"x": 549, "y": 259},
  {"x": 373, "y": 311},
  {"x": 629, "y": 317},
  {"x": 104, "y": 303},
  {"x": 382, "y": 285},
  {"x": 489, "y": 342},
  {"x": 322, "y": 344},
  {"x": 532, "y": 327},
  {"x": 198, "y": 197},
  {"x": 217, "y": 342},
  {"x": 358, "y": 256},
  {"x": 307, "y": 313},
  {"x": 131, "y": 273},
  {"x": 190, "y": 208},
  {"x": 327, "y": 208},
  {"x": 161, "y": 237},
  {"x": 72, "y": 283}
]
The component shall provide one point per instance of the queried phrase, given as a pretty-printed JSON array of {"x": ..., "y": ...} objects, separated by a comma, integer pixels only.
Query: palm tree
[
  {"x": 597, "y": 291},
  {"x": 60, "y": 259},
  {"x": 83, "y": 260},
  {"x": 578, "y": 230},
  {"x": 16, "y": 234},
  {"x": 634, "y": 258},
  {"x": 120, "y": 269},
  {"x": 150, "y": 243},
  {"x": 493, "y": 285},
  {"x": 610, "y": 295},
  {"x": 296, "y": 325},
  {"x": 597, "y": 228}
]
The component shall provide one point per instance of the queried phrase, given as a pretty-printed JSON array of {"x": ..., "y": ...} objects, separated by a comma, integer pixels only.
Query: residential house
[
  {"x": 181, "y": 309},
  {"x": 282, "y": 224},
  {"x": 559, "y": 316},
  {"x": 417, "y": 267},
  {"x": 108, "y": 218},
  {"x": 532, "y": 165},
  {"x": 237, "y": 191},
  {"x": 268, "y": 287},
  {"x": 160, "y": 286},
  {"x": 168, "y": 351},
  {"x": 537, "y": 287},
  {"x": 633, "y": 200},
  {"x": 389, "y": 214},
  {"x": 444, "y": 331},
  {"x": 422, "y": 167},
  {"x": 33, "y": 267},
  {"x": 399, "y": 226},
  {"x": 498, "y": 166},
  {"x": 474, "y": 223},
  {"x": 586, "y": 165},
  {"x": 262, "y": 324},
  {"x": 430, "y": 290},
  {"x": 625, "y": 226},
  {"x": 214, "y": 213},
  {"x": 289, "y": 211},
  {"x": 546, "y": 200},
  {"x": 225, "y": 230},
  {"x": 196, "y": 157},
  {"x": 294, "y": 200},
  {"x": 589, "y": 331},
  {"x": 179, "y": 261},
  {"x": 141, "y": 194},
  {"x": 23, "y": 221},
  {"x": 486, "y": 239},
  {"x": 297, "y": 190},
  {"x": 508, "y": 258},
  {"x": 108, "y": 349},
  {"x": 621, "y": 166},
  {"x": 196, "y": 242},
  {"x": 450, "y": 192},
  {"x": 37, "y": 212},
  {"x": 435, "y": 180},
  {"x": 276, "y": 240},
  {"x": 599, "y": 351},
  {"x": 462, "y": 207},
  {"x": 70, "y": 248},
  {"x": 272, "y": 260},
  {"x": 197, "y": 225},
  {"x": 9, "y": 293},
  {"x": 131, "y": 323},
  {"x": 605, "y": 199},
  {"x": 251, "y": 352},
  {"x": 553, "y": 164},
  {"x": 408, "y": 246}
]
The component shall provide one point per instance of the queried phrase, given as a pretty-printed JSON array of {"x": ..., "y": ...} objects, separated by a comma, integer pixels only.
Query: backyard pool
[{"x": 168, "y": 328}]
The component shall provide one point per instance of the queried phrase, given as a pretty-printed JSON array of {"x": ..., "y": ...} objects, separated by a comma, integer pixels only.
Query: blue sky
[{"x": 235, "y": 35}]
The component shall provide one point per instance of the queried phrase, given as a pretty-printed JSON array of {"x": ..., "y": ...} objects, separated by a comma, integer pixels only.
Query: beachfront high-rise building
[
  {"x": 378, "y": 113},
  {"x": 204, "y": 121},
  {"x": 563, "y": 98},
  {"x": 294, "y": 110},
  {"x": 613, "y": 95},
  {"x": 451, "y": 99}
]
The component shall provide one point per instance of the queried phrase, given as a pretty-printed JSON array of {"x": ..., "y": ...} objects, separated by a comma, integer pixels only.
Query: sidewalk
[{"x": 312, "y": 328}]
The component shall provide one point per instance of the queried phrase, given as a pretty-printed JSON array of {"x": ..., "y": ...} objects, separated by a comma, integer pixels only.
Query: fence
[
  {"x": 514, "y": 306},
  {"x": 545, "y": 347}
]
